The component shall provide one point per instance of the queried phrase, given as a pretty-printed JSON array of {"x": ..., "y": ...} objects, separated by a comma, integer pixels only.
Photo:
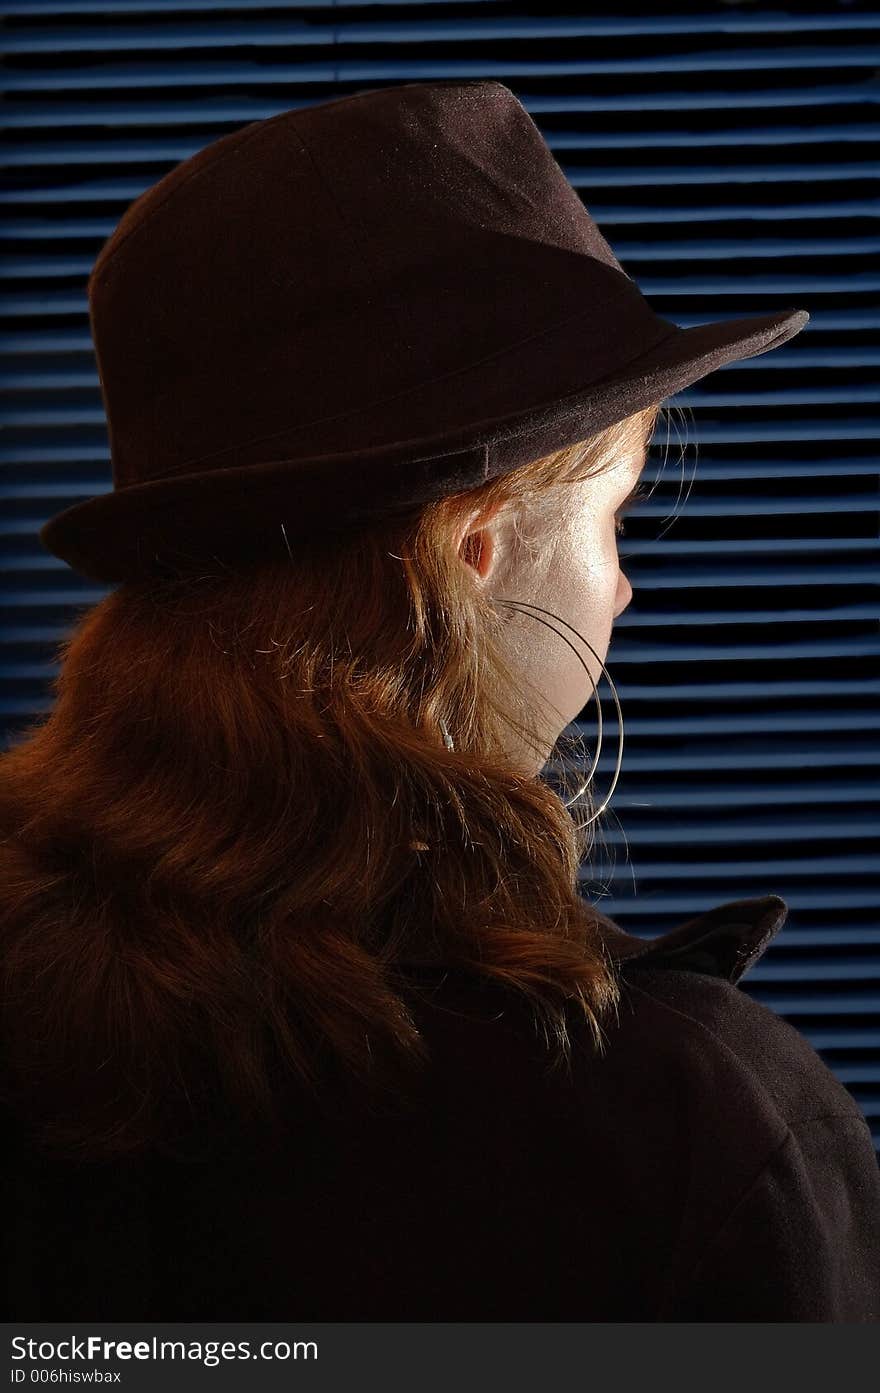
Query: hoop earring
[{"x": 526, "y": 607}]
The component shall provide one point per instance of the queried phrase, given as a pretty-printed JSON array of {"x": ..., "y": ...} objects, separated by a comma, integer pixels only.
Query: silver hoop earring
[{"x": 526, "y": 607}]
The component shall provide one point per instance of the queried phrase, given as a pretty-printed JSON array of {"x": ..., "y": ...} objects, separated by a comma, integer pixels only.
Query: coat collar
[{"x": 724, "y": 941}]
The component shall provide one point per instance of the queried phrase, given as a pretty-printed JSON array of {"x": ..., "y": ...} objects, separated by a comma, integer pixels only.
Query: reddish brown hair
[{"x": 208, "y": 880}]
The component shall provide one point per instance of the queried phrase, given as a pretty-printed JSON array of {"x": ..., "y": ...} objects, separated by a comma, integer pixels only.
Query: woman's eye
[{"x": 619, "y": 523}]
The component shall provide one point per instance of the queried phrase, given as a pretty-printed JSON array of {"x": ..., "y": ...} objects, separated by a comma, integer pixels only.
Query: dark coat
[{"x": 708, "y": 1168}]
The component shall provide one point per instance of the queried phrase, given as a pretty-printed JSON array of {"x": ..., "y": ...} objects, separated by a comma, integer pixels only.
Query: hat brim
[
  {"x": 227, "y": 511},
  {"x": 678, "y": 360}
]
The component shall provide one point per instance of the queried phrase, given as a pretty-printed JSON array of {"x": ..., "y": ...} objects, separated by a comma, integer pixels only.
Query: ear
[{"x": 477, "y": 542}]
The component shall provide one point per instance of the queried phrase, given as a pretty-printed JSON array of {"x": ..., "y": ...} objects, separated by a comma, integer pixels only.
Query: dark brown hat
[{"x": 352, "y": 309}]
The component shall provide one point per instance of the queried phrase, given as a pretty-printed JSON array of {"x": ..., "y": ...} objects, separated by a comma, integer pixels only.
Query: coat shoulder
[
  {"x": 687, "y": 980},
  {"x": 684, "y": 1027},
  {"x": 742, "y": 1044}
]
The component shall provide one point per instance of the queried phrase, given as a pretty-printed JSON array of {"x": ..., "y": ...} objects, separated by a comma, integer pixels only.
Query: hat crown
[{"x": 382, "y": 240}]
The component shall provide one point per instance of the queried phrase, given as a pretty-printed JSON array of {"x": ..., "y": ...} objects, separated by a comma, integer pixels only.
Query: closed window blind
[{"x": 728, "y": 151}]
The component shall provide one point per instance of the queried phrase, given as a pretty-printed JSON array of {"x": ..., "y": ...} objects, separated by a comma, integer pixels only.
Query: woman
[{"x": 303, "y": 1014}]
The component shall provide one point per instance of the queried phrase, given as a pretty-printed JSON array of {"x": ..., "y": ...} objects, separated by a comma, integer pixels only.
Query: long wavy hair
[{"x": 238, "y": 828}]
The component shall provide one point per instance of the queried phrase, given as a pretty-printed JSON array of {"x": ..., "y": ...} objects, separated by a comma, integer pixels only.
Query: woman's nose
[{"x": 623, "y": 596}]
